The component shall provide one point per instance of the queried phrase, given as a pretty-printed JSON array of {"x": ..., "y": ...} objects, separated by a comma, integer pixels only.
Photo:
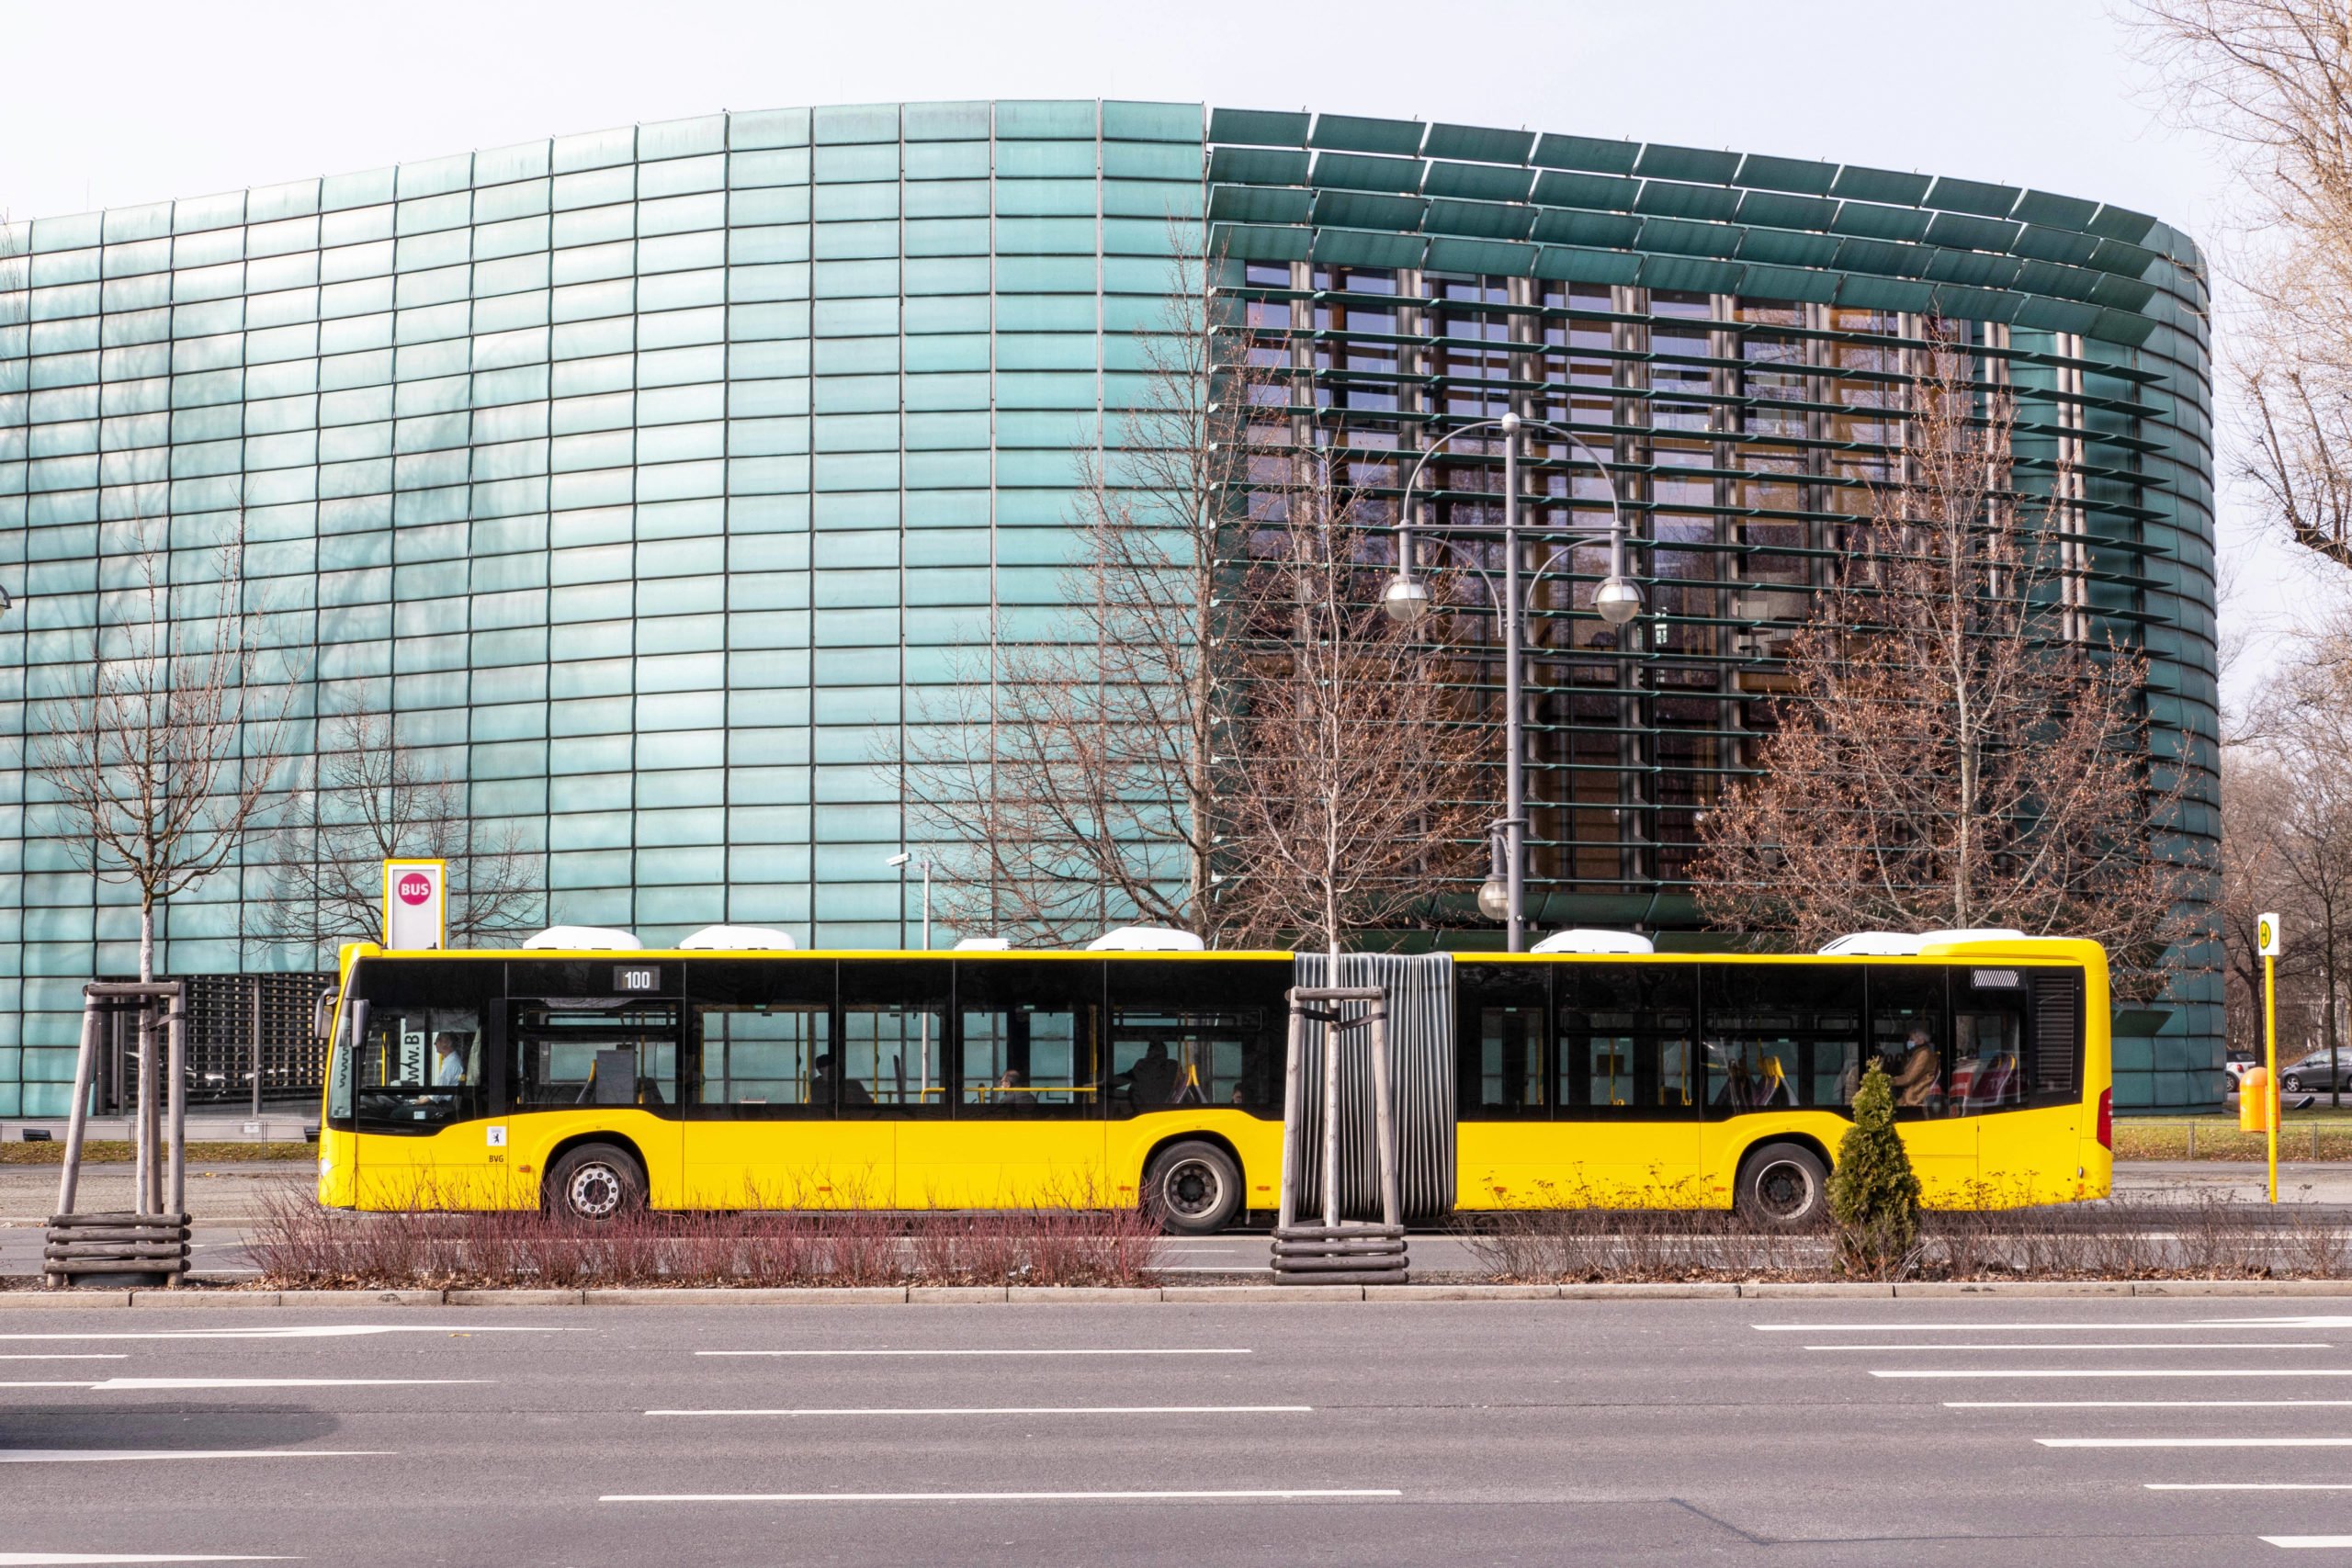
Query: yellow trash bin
[{"x": 2255, "y": 1100}]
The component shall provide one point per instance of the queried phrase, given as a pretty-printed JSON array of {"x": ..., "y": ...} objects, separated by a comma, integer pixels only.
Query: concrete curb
[{"x": 977, "y": 1295}]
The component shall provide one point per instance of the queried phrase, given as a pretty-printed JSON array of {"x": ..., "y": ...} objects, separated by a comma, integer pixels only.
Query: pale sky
[{"x": 124, "y": 103}]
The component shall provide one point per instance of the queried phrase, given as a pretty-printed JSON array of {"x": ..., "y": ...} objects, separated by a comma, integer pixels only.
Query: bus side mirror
[{"x": 323, "y": 1014}]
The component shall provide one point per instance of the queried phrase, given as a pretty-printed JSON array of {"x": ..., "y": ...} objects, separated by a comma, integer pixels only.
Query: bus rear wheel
[
  {"x": 595, "y": 1183},
  {"x": 1193, "y": 1188},
  {"x": 1784, "y": 1187}
]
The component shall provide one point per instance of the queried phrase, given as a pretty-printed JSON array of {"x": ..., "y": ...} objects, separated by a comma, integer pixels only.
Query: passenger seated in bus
[
  {"x": 822, "y": 1079},
  {"x": 1152, "y": 1080},
  {"x": 1739, "y": 1088},
  {"x": 1915, "y": 1079},
  {"x": 448, "y": 1060},
  {"x": 1010, "y": 1080}
]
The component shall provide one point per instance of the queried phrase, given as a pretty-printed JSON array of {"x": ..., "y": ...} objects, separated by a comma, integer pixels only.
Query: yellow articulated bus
[{"x": 595, "y": 1082}]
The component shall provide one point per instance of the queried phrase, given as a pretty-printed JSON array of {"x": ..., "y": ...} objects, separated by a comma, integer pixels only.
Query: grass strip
[{"x": 118, "y": 1151}]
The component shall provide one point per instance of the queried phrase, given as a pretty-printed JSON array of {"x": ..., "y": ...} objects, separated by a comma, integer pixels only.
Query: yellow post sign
[{"x": 2266, "y": 942}]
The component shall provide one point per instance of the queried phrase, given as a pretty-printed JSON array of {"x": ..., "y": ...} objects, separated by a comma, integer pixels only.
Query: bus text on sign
[{"x": 415, "y": 904}]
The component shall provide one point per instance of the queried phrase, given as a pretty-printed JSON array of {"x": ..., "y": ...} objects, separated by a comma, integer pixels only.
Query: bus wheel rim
[
  {"x": 1192, "y": 1187},
  {"x": 596, "y": 1191},
  {"x": 1784, "y": 1189}
]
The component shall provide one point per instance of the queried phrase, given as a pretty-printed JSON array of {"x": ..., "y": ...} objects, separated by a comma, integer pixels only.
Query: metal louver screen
[
  {"x": 2057, "y": 1033},
  {"x": 1420, "y": 1011}
]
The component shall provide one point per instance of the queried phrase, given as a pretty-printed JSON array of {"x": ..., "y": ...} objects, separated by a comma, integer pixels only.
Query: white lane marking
[
  {"x": 2145, "y": 1345},
  {"x": 2116, "y": 1372},
  {"x": 116, "y": 1384},
  {"x": 112, "y": 1384},
  {"x": 314, "y": 1331},
  {"x": 2050, "y": 1327},
  {"x": 2293, "y": 1542},
  {"x": 2248, "y": 1485},
  {"x": 28, "y": 1559},
  {"x": 2195, "y": 1442},
  {"x": 1081, "y": 1351},
  {"x": 98, "y": 1456},
  {"x": 1224, "y": 1496},
  {"x": 1023, "y": 1410},
  {"x": 2139, "y": 1403},
  {"x": 72, "y": 1356}
]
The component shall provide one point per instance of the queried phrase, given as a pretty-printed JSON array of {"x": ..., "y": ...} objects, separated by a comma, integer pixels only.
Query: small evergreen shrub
[{"x": 1874, "y": 1193}]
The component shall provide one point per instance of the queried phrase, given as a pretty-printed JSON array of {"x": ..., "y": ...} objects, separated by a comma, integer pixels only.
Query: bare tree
[
  {"x": 2273, "y": 80},
  {"x": 1352, "y": 759},
  {"x": 1071, "y": 777},
  {"x": 1957, "y": 750},
  {"x": 1109, "y": 773},
  {"x": 2287, "y": 829},
  {"x": 377, "y": 799},
  {"x": 158, "y": 765}
]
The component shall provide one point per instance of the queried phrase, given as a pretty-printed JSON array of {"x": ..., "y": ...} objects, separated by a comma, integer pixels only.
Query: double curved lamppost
[{"x": 1618, "y": 600}]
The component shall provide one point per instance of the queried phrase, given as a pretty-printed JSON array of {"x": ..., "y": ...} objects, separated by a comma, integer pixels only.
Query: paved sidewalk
[
  {"x": 218, "y": 1195},
  {"x": 2320, "y": 1181}
]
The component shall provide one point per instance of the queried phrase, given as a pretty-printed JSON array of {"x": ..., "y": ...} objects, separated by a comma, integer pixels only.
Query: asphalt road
[{"x": 1824, "y": 1431}]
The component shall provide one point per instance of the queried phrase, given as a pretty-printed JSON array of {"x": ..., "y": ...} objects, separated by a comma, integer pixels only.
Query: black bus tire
[
  {"x": 1193, "y": 1188},
  {"x": 595, "y": 1183},
  {"x": 1783, "y": 1187}
]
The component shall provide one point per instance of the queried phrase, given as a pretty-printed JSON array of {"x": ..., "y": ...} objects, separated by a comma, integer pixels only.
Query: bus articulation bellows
[{"x": 594, "y": 1082}]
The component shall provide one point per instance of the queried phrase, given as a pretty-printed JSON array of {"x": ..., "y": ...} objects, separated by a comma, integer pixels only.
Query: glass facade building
[{"x": 649, "y": 477}]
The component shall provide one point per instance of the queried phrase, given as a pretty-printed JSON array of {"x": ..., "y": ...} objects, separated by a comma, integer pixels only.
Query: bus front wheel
[
  {"x": 593, "y": 1183},
  {"x": 1783, "y": 1186},
  {"x": 1193, "y": 1188}
]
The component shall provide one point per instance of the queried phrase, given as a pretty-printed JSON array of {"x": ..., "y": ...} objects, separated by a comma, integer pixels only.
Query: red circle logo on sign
[{"x": 415, "y": 887}]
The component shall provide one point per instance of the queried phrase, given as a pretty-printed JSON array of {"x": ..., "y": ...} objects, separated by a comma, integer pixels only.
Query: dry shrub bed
[
  {"x": 297, "y": 1244},
  {"x": 2198, "y": 1236}
]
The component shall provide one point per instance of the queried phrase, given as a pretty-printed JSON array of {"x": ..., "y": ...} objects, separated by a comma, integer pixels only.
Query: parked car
[
  {"x": 2236, "y": 1065},
  {"x": 2310, "y": 1072}
]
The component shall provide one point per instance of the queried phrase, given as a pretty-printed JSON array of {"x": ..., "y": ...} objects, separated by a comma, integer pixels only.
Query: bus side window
[
  {"x": 1029, "y": 1038},
  {"x": 418, "y": 1070},
  {"x": 1183, "y": 1035},
  {"x": 595, "y": 1051},
  {"x": 892, "y": 1053},
  {"x": 1989, "y": 1023},
  {"x": 1911, "y": 1037},
  {"x": 1502, "y": 1037},
  {"x": 1626, "y": 1033},
  {"x": 1782, "y": 1036},
  {"x": 755, "y": 1056}
]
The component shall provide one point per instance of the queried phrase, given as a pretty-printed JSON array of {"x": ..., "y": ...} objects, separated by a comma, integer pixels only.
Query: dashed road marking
[
  {"x": 1021, "y": 1410},
  {"x": 101, "y": 1456},
  {"x": 1080, "y": 1351},
  {"x": 2195, "y": 1442},
  {"x": 1253, "y": 1494},
  {"x": 2158, "y": 1345}
]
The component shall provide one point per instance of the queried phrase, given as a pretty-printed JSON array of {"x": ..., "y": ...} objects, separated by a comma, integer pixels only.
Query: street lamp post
[
  {"x": 900, "y": 862},
  {"x": 1618, "y": 599}
]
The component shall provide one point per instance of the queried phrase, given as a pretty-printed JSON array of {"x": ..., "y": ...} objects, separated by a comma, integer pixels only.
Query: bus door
[
  {"x": 593, "y": 1047},
  {"x": 895, "y": 1081},
  {"x": 761, "y": 1082},
  {"x": 1911, "y": 1038},
  {"x": 1027, "y": 1131},
  {"x": 421, "y": 1084},
  {"x": 1631, "y": 1084}
]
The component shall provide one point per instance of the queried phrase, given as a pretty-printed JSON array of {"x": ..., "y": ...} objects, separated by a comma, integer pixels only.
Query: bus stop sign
[
  {"x": 2266, "y": 936},
  {"x": 415, "y": 904}
]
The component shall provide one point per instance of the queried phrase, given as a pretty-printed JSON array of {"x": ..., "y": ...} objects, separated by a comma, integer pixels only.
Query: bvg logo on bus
[{"x": 414, "y": 891}]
